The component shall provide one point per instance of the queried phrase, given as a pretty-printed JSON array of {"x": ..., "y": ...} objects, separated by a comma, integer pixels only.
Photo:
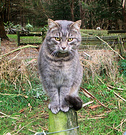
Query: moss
[{"x": 63, "y": 121}]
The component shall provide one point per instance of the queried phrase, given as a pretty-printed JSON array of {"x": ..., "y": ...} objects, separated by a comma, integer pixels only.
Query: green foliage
[
  {"x": 99, "y": 120},
  {"x": 21, "y": 96},
  {"x": 29, "y": 27},
  {"x": 8, "y": 25},
  {"x": 18, "y": 27},
  {"x": 122, "y": 66},
  {"x": 104, "y": 14},
  {"x": 45, "y": 28},
  {"x": 102, "y": 11}
]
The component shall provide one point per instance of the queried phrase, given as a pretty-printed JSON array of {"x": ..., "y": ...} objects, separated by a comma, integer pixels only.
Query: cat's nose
[{"x": 63, "y": 48}]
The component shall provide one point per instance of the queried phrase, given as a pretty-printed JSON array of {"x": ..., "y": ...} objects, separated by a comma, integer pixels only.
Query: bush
[
  {"x": 122, "y": 66},
  {"x": 29, "y": 27}
]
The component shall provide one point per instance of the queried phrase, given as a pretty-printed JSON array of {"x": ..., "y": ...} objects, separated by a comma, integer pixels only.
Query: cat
[{"x": 59, "y": 65}]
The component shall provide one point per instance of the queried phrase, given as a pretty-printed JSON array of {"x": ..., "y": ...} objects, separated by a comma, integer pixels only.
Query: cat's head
[{"x": 63, "y": 36}]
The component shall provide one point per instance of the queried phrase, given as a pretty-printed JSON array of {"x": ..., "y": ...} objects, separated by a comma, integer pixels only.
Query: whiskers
[{"x": 72, "y": 52}]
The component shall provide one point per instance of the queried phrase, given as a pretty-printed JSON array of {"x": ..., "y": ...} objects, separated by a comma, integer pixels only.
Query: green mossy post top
[{"x": 63, "y": 121}]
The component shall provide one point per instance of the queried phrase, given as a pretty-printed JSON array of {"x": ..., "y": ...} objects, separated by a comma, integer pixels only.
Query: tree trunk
[
  {"x": 124, "y": 14},
  {"x": 2, "y": 30},
  {"x": 72, "y": 9},
  {"x": 63, "y": 123},
  {"x": 82, "y": 14}
]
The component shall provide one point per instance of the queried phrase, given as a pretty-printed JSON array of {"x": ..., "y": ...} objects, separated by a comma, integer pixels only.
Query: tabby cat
[{"x": 59, "y": 65}]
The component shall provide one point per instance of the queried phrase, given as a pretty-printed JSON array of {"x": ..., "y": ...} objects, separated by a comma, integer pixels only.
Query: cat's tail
[{"x": 75, "y": 102}]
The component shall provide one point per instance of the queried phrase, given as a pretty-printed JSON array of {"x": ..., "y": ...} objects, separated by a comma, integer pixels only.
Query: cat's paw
[
  {"x": 64, "y": 108},
  {"x": 54, "y": 108}
]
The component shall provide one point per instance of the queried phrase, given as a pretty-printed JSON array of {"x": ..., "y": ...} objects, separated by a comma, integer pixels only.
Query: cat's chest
[
  {"x": 63, "y": 67},
  {"x": 63, "y": 73}
]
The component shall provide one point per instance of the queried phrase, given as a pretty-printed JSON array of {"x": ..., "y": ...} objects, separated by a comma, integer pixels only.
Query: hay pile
[
  {"x": 18, "y": 67},
  {"x": 98, "y": 63}
]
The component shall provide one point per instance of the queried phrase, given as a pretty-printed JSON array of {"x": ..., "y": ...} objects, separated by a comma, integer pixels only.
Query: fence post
[
  {"x": 63, "y": 123},
  {"x": 43, "y": 35},
  {"x": 121, "y": 46},
  {"x": 0, "y": 45},
  {"x": 18, "y": 38}
]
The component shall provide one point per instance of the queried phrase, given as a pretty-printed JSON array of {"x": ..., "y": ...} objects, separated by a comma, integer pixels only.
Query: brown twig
[
  {"x": 110, "y": 47},
  {"x": 112, "y": 87},
  {"x": 27, "y": 46},
  {"x": 87, "y": 103},
  {"x": 23, "y": 127},
  {"x": 92, "y": 118},
  {"x": 119, "y": 96},
  {"x": 31, "y": 130},
  {"x": 115, "y": 128},
  {"x": 16, "y": 95},
  {"x": 94, "y": 97},
  {"x": 8, "y": 116}
]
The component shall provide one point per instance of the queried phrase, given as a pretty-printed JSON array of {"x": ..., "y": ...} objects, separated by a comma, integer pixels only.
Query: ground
[{"x": 23, "y": 104}]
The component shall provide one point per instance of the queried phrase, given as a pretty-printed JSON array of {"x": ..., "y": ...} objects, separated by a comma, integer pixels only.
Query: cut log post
[
  {"x": 18, "y": 38},
  {"x": 0, "y": 46},
  {"x": 63, "y": 123},
  {"x": 121, "y": 46}
]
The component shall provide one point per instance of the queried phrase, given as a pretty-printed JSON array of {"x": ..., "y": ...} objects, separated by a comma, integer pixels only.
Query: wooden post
[
  {"x": 0, "y": 45},
  {"x": 43, "y": 35},
  {"x": 18, "y": 38},
  {"x": 121, "y": 46},
  {"x": 63, "y": 121}
]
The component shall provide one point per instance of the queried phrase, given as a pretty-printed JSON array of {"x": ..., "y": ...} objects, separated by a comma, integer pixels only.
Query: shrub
[
  {"x": 122, "y": 66},
  {"x": 29, "y": 27}
]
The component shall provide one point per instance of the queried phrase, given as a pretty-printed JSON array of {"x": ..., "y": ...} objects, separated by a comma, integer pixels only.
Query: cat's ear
[
  {"x": 76, "y": 25},
  {"x": 52, "y": 24}
]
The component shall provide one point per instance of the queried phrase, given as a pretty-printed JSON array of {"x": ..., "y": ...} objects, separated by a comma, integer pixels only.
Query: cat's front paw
[
  {"x": 54, "y": 108},
  {"x": 64, "y": 108}
]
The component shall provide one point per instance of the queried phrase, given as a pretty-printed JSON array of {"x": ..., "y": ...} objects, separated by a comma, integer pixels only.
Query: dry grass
[
  {"x": 100, "y": 62},
  {"x": 18, "y": 67},
  {"x": 21, "y": 67}
]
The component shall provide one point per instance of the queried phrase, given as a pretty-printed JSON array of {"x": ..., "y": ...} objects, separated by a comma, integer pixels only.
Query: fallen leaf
[
  {"x": 26, "y": 96},
  {"x": 22, "y": 110}
]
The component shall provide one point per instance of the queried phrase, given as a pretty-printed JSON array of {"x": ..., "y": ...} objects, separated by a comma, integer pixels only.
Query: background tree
[
  {"x": 107, "y": 14},
  {"x": 4, "y": 15},
  {"x": 124, "y": 13}
]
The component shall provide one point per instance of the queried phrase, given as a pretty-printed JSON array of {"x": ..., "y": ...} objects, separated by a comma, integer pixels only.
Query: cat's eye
[
  {"x": 70, "y": 39},
  {"x": 57, "y": 38}
]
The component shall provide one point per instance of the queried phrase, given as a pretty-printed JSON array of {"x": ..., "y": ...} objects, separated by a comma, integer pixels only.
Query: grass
[
  {"x": 12, "y": 37},
  {"x": 99, "y": 120},
  {"x": 26, "y": 39},
  {"x": 31, "y": 39},
  {"x": 23, "y": 104},
  {"x": 25, "y": 108},
  {"x": 94, "y": 32},
  {"x": 32, "y": 114}
]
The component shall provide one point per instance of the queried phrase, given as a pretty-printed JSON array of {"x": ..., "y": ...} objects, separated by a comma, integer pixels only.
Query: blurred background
[{"x": 23, "y": 26}]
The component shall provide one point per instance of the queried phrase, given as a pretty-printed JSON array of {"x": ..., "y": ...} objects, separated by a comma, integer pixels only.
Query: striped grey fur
[{"x": 59, "y": 65}]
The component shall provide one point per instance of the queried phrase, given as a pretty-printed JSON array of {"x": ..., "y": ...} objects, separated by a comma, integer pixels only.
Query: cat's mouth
[{"x": 61, "y": 53}]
